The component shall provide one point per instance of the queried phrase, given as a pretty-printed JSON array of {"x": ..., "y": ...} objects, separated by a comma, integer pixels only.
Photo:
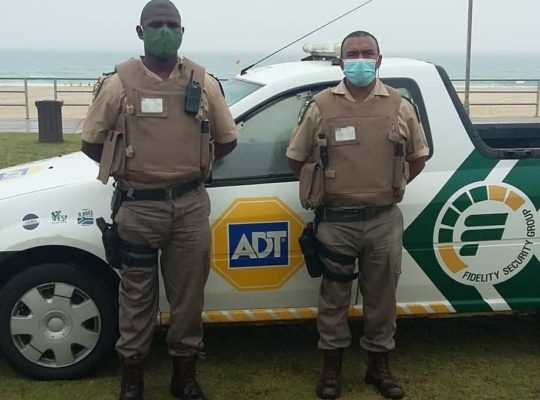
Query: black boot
[
  {"x": 329, "y": 386},
  {"x": 132, "y": 385},
  {"x": 378, "y": 374},
  {"x": 183, "y": 384}
]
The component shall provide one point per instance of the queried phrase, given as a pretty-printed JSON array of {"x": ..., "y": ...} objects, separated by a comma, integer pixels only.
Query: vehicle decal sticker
[
  {"x": 58, "y": 217},
  {"x": 255, "y": 244},
  {"x": 479, "y": 233},
  {"x": 20, "y": 172},
  {"x": 86, "y": 217},
  {"x": 30, "y": 222}
]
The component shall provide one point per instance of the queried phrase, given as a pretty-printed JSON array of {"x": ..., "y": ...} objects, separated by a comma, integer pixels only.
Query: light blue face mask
[{"x": 360, "y": 71}]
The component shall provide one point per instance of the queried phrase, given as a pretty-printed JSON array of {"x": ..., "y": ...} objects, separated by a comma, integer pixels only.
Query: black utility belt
[
  {"x": 168, "y": 193},
  {"x": 350, "y": 215}
]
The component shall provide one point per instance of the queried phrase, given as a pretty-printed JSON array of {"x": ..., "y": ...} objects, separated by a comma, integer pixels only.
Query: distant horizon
[
  {"x": 68, "y": 63},
  {"x": 290, "y": 52}
]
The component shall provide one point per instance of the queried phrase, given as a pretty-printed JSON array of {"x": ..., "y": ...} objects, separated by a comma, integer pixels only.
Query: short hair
[
  {"x": 149, "y": 8},
  {"x": 360, "y": 34}
]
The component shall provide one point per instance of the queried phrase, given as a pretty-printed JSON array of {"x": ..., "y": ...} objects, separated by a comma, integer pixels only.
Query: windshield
[{"x": 236, "y": 89}]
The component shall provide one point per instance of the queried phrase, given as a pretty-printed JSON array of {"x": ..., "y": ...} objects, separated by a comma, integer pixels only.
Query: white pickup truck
[{"x": 470, "y": 244}]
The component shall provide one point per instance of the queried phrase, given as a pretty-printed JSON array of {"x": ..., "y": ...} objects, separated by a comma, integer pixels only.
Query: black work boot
[
  {"x": 329, "y": 386},
  {"x": 183, "y": 384},
  {"x": 132, "y": 385},
  {"x": 378, "y": 374}
]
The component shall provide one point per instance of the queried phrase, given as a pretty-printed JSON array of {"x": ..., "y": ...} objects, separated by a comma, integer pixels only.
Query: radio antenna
[{"x": 306, "y": 35}]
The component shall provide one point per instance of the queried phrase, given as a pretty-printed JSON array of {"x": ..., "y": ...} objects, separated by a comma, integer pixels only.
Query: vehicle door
[{"x": 256, "y": 215}]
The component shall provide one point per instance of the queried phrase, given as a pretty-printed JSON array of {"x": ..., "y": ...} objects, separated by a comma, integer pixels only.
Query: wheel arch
[{"x": 13, "y": 263}]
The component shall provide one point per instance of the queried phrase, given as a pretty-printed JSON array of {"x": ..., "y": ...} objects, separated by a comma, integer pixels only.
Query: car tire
[{"x": 57, "y": 321}]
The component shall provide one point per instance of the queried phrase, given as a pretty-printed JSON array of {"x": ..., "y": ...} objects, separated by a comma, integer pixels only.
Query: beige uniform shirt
[
  {"x": 304, "y": 139},
  {"x": 110, "y": 101}
]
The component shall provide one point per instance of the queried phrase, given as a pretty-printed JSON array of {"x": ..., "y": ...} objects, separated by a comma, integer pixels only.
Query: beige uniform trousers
[
  {"x": 378, "y": 245},
  {"x": 180, "y": 228}
]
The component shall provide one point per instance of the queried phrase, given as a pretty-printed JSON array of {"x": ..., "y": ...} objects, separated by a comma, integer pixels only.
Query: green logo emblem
[
  {"x": 483, "y": 234},
  {"x": 476, "y": 240}
]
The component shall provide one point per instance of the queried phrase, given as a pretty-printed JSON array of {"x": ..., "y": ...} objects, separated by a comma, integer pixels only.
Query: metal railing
[
  {"x": 500, "y": 86},
  {"x": 521, "y": 86},
  {"x": 26, "y": 83}
]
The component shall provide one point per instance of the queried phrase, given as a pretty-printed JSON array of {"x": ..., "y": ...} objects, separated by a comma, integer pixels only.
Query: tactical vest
[
  {"x": 366, "y": 153},
  {"x": 163, "y": 144}
]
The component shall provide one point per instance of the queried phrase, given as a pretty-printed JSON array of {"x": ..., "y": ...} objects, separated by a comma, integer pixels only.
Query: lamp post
[{"x": 468, "y": 60}]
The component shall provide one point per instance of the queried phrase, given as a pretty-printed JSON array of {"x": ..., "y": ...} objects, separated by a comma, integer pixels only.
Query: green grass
[
  {"x": 480, "y": 358},
  {"x": 17, "y": 148}
]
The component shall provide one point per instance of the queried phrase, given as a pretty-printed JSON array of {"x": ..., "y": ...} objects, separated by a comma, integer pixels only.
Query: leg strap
[
  {"x": 339, "y": 259},
  {"x": 138, "y": 255}
]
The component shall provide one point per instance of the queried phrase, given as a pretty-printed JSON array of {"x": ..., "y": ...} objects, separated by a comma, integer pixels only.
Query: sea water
[{"x": 73, "y": 66}]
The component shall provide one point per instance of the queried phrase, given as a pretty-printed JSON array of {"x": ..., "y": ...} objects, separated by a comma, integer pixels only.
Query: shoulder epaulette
[
  {"x": 99, "y": 83},
  {"x": 414, "y": 106},
  {"x": 303, "y": 110},
  {"x": 219, "y": 83}
]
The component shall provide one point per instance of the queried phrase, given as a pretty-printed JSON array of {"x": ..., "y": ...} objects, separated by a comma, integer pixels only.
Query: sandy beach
[
  {"x": 493, "y": 96},
  {"x": 44, "y": 93},
  {"x": 509, "y": 95}
]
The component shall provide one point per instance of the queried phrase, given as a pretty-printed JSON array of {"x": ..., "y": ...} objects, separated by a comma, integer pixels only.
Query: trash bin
[{"x": 50, "y": 120}]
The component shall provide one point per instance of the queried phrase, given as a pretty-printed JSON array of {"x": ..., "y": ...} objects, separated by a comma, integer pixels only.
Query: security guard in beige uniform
[
  {"x": 355, "y": 148},
  {"x": 155, "y": 126}
]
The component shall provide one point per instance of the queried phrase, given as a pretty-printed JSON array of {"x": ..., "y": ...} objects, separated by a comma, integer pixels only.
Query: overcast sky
[{"x": 402, "y": 26}]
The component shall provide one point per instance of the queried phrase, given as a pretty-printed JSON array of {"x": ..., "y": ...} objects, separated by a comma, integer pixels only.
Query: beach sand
[
  {"x": 493, "y": 96},
  {"x": 509, "y": 95},
  {"x": 45, "y": 93}
]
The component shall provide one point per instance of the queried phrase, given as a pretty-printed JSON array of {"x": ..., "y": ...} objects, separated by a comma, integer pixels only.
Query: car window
[
  {"x": 265, "y": 131},
  {"x": 409, "y": 88},
  {"x": 263, "y": 139},
  {"x": 236, "y": 89}
]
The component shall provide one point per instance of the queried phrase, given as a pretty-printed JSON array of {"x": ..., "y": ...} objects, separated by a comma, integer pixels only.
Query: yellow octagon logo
[{"x": 255, "y": 243}]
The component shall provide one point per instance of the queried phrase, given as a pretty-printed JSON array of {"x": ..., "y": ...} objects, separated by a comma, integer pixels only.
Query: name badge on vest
[
  {"x": 345, "y": 133},
  {"x": 151, "y": 105}
]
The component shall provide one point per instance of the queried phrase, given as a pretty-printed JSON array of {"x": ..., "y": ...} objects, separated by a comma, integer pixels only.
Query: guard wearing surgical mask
[
  {"x": 355, "y": 148},
  {"x": 155, "y": 126}
]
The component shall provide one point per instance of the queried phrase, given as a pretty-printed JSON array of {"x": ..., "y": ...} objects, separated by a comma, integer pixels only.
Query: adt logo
[
  {"x": 258, "y": 244},
  {"x": 254, "y": 244}
]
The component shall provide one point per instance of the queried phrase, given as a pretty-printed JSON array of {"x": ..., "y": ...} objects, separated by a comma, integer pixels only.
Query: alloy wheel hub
[{"x": 56, "y": 325}]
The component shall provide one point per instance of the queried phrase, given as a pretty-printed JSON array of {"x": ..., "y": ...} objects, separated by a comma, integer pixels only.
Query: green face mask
[{"x": 162, "y": 42}]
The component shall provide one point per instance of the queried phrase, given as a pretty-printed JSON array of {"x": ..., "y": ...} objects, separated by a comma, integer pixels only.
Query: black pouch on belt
[{"x": 310, "y": 249}]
